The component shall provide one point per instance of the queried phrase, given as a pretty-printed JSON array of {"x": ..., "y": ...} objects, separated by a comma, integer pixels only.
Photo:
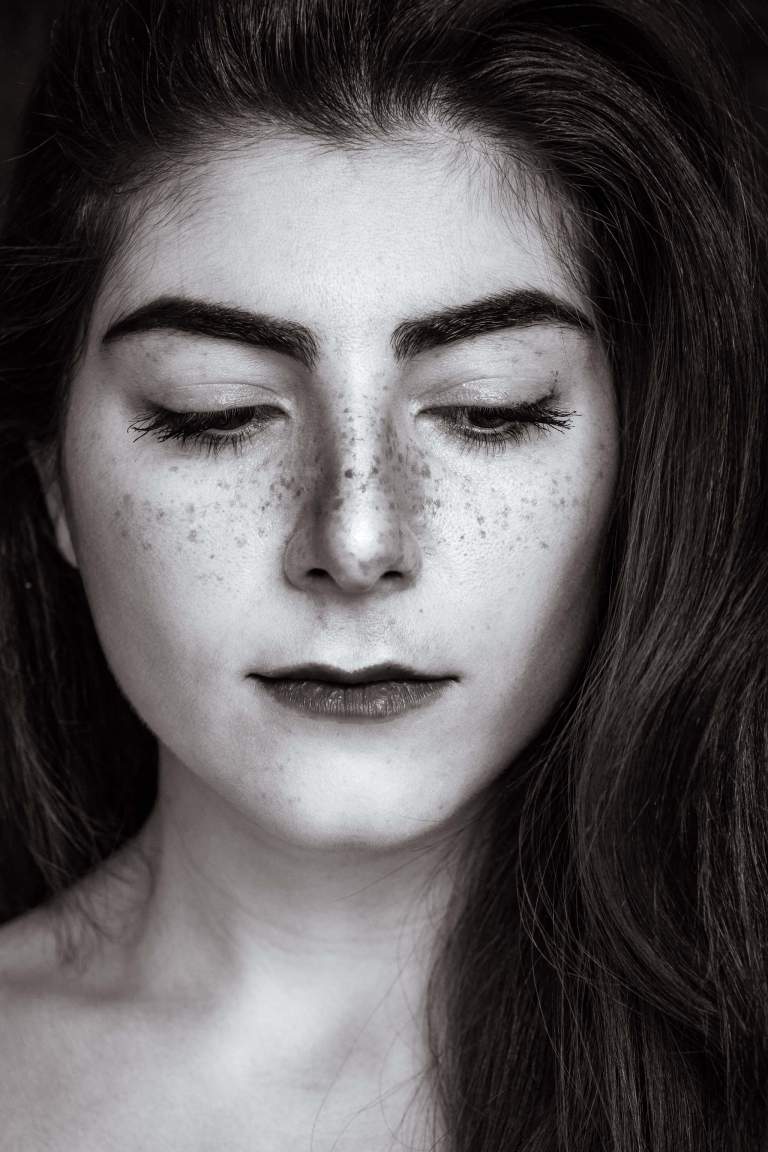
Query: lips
[
  {"x": 375, "y": 692},
  {"x": 371, "y": 673}
]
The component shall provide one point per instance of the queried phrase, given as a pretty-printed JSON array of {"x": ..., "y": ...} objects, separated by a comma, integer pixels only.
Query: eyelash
[
  {"x": 524, "y": 419},
  {"x": 194, "y": 428}
]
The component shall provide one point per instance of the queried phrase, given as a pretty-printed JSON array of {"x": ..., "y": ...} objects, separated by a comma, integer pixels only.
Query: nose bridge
[
  {"x": 363, "y": 455},
  {"x": 357, "y": 525}
]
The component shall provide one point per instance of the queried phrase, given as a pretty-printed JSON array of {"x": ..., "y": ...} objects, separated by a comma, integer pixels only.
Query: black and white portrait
[{"x": 384, "y": 577}]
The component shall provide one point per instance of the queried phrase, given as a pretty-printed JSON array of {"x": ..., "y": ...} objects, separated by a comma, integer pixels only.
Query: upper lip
[{"x": 328, "y": 672}]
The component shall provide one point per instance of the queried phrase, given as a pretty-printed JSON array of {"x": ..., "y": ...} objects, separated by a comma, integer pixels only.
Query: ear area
[{"x": 45, "y": 460}]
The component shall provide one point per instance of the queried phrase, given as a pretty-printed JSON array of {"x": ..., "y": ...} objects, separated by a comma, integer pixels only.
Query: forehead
[{"x": 342, "y": 238}]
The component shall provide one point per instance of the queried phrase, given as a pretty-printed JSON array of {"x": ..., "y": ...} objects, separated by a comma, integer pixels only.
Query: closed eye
[
  {"x": 210, "y": 431},
  {"x": 494, "y": 429}
]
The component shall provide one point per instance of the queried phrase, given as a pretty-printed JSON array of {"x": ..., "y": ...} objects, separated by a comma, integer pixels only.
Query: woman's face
[{"x": 409, "y": 458}]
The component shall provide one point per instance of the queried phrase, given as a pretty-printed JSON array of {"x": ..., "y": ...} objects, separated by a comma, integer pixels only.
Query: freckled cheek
[
  {"x": 528, "y": 589},
  {"x": 189, "y": 522},
  {"x": 511, "y": 513},
  {"x": 524, "y": 545}
]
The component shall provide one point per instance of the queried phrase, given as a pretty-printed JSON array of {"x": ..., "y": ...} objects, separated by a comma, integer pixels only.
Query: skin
[{"x": 292, "y": 855}]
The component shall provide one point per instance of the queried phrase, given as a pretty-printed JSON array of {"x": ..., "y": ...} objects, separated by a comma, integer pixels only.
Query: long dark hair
[{"x": 604, "y": 985}]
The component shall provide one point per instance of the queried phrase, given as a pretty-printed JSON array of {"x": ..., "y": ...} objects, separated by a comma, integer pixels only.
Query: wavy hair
[{"x": 604, "y": 983}]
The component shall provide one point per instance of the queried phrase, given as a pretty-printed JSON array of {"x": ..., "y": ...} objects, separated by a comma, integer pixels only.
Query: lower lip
[{"x": 381, "y": 700}]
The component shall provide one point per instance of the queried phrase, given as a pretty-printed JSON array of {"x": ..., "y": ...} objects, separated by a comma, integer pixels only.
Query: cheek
[
  {"x": 175, "y": 556},
  {"x": 527, "y": 548},
  {"x": 539, "y": 517}
]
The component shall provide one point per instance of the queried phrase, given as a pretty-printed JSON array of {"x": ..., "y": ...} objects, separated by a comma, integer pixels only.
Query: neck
[{"x": 340, "y": 939}]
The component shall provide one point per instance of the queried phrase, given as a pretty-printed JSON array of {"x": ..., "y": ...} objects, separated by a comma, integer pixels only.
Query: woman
[{"x": 384, "y": 590}]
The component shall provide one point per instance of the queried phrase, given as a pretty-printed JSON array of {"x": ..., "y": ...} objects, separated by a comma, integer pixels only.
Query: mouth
[{"x": 376, "y": 692}]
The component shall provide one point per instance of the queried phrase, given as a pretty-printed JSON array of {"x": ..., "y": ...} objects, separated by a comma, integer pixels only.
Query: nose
[{"x": 354, "y": 532}]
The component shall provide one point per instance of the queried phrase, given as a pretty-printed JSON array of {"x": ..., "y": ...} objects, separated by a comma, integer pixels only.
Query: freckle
[
  {"x": 461, "y": 537},
  {"x": 349, "y": 473},
  {"x": 600, "y": 474},
  {"x": 483, "y": 533},
  {"x": 240, "y": 541},
  {"x": 174, "y": 467},
  {"x": 190, "y": 509},
  {"x": 337, "y": 503},
  {"x": 192, "y": 534},
  {"x": 543, "y": 544},
  {"x": 481, "y": 519},
  {"x": 212, "y": 556},
  {"x": 518, "y": 539},
  {"x": 261, "y": 532},
  {"x": 124, "y": 533},
  {"x": 562, "y": 501},
  {"x": 146, "y": 546}
]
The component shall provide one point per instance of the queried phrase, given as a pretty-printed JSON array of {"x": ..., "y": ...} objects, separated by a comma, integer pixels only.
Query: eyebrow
[
  {"x": 218, "y": 322},
  {"x": 519, "y": 308}
]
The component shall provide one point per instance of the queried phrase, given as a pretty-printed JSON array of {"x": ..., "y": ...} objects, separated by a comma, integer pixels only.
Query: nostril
[
  {"x": 351, "y": 554},
  {"x": 390, "y": 575}
]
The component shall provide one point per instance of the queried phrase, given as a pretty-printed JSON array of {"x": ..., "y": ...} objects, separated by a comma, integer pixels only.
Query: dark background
[{"x": 742, "y": 26}]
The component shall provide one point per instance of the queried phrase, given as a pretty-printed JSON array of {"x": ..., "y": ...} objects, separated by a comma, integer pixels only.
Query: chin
[
  {"x": 363, "y": 825},
  {"x": 328, "y": 808}
]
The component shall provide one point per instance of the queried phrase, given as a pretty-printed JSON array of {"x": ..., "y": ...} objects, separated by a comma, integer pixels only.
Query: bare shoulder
[
  {"x": 28, "y": 953},
  {"x": 49, "y": 950},
  {"x": 33, "y": 1029},
  {"x": 62, "y": 1015}
]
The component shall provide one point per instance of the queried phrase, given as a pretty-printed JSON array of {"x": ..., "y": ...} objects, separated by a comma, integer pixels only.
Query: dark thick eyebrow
[
  {"x": 521, "y": 308},
  {"x": 220, "y": 322}
]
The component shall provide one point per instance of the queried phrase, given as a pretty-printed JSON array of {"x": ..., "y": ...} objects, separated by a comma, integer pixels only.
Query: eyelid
[
  {"x": 205, "y": 397},
  {"x": 504, "y": 391},
  {"x": 484, "y": 399}
]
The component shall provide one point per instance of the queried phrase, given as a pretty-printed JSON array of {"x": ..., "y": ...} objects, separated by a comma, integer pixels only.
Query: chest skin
[{"x": 105, "y": 1078}]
